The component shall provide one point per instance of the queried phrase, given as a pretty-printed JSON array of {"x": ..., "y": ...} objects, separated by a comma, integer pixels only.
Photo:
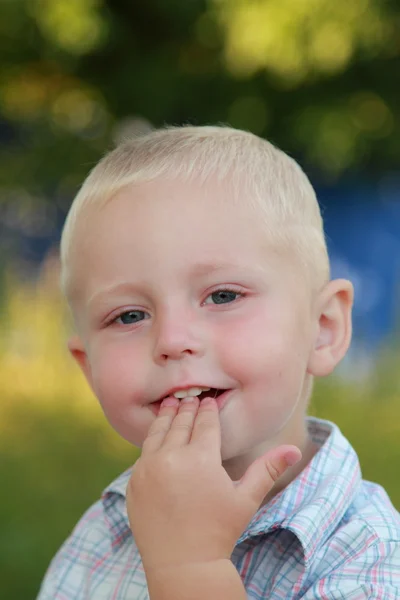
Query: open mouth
[{"x": 211, "y": 393}]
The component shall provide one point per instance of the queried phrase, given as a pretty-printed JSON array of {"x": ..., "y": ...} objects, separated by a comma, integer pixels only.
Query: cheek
[
  {"x": 119, "y": 382},
  {"x": 262, "y": 349},
  {"x": 116, "y": 374},
  {"x": 245, "y": 345}
]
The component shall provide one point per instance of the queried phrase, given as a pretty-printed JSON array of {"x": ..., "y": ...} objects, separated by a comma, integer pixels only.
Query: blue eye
[
  {"x": 222, "y": 297},
  {"x": 131, "y": 316}
]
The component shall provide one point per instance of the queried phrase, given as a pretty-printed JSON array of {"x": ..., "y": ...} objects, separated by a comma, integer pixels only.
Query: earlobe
[
  {"x": 334, "y": 327},
  {"x": 78, "y": 352}
]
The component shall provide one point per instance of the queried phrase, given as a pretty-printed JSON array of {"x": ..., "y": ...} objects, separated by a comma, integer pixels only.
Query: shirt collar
[
  {"x": 115, "y": 513},
  {"x": 311, "y": 506},
  {"x": 314, "y": 503}
]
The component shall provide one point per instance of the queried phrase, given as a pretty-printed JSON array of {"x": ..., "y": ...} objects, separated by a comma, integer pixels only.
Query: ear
[
  {"x": 333, "y": 328},
  {"x": 78, "y": 352}
]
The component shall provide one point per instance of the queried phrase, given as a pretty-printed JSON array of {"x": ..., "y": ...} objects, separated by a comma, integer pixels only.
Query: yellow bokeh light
[
  {"x": 34, "y": 361},
  {"x": 23, "y": 95},
  {"x": 74, "y": 109},
  {"x": 293, "y": 40},
  {"x": 331, "y": 47},
  {"x": 371, "y": 114},
  {"x": 74, "y": 25}
]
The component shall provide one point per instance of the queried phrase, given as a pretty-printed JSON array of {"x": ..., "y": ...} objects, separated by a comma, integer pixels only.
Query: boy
[{"x": 195, "y": 266}]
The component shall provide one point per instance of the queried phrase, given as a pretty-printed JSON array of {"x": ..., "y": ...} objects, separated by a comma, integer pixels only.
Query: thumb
[{"x": 265, "y": 470}]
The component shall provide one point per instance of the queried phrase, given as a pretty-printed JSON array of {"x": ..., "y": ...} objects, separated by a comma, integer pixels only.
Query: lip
[{"x": 221, "y": 401}]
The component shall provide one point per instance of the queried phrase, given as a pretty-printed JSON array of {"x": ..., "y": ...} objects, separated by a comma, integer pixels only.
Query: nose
[{"x": 178, "y": 336}]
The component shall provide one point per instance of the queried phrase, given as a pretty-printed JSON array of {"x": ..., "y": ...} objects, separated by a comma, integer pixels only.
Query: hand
[{"x": 183, "y": 508}]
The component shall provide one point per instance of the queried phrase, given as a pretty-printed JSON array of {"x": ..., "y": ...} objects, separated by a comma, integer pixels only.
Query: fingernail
[
  {"x": 188, "y": 399},
  {"x": 291, "y": 459},
  {"x": 207, "y": 400},
  {"x": 170, "y": 401}
]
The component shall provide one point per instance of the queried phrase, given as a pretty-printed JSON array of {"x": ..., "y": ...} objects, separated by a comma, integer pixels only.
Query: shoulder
[
  {"x": 361, "y": 558},
  {"x": 88, "y": 542},
  {"x": 91, "y": 530},
  {"x": 92, "y": 548},
  {"x": 371, "y": 519},
  {"x": 348, "y": 527},
  {"x": 340, "y": 499}
]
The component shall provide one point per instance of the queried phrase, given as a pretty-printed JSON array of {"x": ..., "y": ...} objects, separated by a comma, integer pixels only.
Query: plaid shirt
[{"x": 329, "y": 535}]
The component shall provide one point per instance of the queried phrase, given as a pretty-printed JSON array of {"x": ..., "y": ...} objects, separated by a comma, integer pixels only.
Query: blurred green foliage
[
  {"x": 318, "y": 78},
  {"x": 58, "y": 452}
]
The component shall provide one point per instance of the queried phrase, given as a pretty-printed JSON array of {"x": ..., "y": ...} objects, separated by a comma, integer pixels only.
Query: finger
[
  {"x": 266, "y": 470},
  {"x": 160, "y": 425},
  {"x": 207, "y": 429},
  {"x": 181, "y": 428}
]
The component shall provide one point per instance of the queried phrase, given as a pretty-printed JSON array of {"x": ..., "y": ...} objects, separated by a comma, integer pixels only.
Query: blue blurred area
[{"x": 362, "y": 223}]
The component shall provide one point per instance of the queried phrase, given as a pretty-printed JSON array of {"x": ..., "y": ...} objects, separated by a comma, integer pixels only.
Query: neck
[{"x": 236, "y": 467}]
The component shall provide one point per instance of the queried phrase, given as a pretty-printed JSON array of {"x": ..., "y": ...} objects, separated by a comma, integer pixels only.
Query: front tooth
[
  {"x": 181, "y": 394},
  {"x": 194, "y": 391}
]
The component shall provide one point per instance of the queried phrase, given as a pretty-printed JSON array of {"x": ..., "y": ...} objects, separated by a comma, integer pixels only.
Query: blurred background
[{"x": 320, "y": 79}]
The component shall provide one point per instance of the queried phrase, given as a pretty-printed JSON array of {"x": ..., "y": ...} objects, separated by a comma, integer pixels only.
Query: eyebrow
[
  {"x": 206, "y": 268},
  {"x": 122, "y": 288},
  {"x": 199, "y": 270}
]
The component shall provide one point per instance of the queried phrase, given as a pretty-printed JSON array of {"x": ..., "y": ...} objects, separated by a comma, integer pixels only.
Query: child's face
[{"x": 179, "y": 288}]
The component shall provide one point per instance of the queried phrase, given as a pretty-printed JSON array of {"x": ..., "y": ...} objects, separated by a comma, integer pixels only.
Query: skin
[
  {"x": 202, "y": 516},
  {"x": 206, "y": 299}
]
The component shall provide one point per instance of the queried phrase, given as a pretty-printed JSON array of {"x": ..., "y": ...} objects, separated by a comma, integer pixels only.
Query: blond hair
[{"x": 259, "y": 174}]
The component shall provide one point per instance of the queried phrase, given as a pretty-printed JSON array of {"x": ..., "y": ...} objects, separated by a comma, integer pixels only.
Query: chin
[{"x": 231, "y": 452}]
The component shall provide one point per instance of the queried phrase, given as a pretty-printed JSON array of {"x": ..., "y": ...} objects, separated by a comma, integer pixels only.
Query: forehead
[
  {"x": 198, "y": 204},
  {"x": 160, "y": 212},
  {"x": 152, "y": 229}
]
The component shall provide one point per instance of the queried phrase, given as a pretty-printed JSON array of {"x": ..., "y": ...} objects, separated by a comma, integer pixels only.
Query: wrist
[
  {"x": 215, "y": 579},
  {"x": 191, "y": 566}
]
